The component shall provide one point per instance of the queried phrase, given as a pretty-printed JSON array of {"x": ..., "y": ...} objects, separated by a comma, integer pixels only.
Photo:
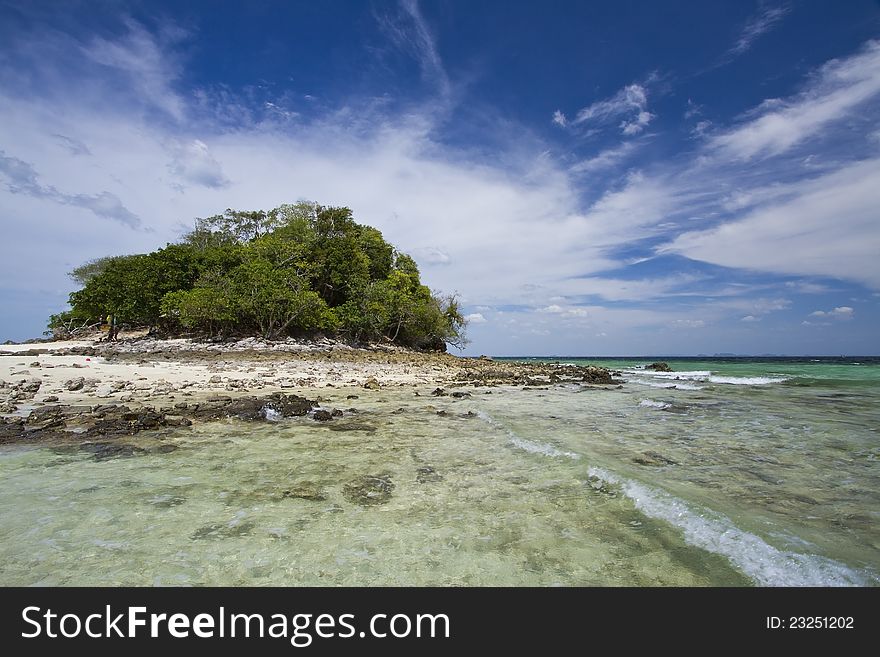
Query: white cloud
[
  {"x": 828, "y": 227},
  {"x": 475, "y": 318},
  {"x": 607, "y": 159},
  {"x": 431, "y": 255},
  {"x": 689, "y": 323},
  {"x": 142, "y": 59},
  {"x": 840, "y": 88},
  {"x": 692, "y": 109},
  {"x": 630, "y": 102},
  {"x": 750, "y": 318},
  {"x": 701, "y": 128},
  {"x": 806, "y": 287},
  {"x": 192, "y": 162},
  {"x": 410, "y": 32},
  {"x": 559, "y": 119},
  {"x": 759, "y": 24},
  {"x": 22, "y": 178},
  {"x": 841, "y": 312}
]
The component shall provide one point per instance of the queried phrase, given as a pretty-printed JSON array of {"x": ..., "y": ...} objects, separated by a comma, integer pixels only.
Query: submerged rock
[
  {"x": 306, "y": 490},
  {"x": 369, "y": 490},
  {"x": 352, "y": 426},
  {"x": 322, "y": 415},
  {"x": 654, "y": 458},
  {"x": 427, "y": 474}
]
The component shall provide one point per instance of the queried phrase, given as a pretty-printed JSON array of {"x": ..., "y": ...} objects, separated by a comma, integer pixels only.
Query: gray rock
[{"x": 74, "y": 384}]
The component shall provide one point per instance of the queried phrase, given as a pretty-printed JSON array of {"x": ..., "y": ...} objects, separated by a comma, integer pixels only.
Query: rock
[
  {"x": 36, "y": 363},
  {"x": 336, "y": 412},
  {"x": 654, "y": 458},
  {"x": 322, "y": 416},
  {"x": 104, "y": 391},
  {"x": 29, "y": 386},
  {"x": 369, "y": 490},
  {"x": 352, "y": 397},
  {"x": 352, "y": 426},
  {"x": 593, "y": 374},
  {"x": 177, "y": 421},
  {"x": 427, "y": 474},
  {"x": 102, "y": 451},
  {"x": 461, "y": 395},
  {"x": 50, "y": 398},
  {"x": 8, "y": 407},
  {"x": 74, "y": 384},
  {"x": 306, "y": 490},
  {"x": 216, "y": 379},
  {"x": 439, "y": 392},
  {"x": 659, "y": 367},
  {"x": 372, "y": 384}
]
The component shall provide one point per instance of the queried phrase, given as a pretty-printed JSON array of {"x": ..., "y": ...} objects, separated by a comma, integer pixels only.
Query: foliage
[{"x": 299, "y": 269}]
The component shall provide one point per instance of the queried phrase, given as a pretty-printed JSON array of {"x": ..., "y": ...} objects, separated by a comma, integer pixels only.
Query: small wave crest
[
  {"x": 525, "y": 444},
  {"x": 765, "y": 564},
  {"x": 271, "y": 414},
  {"x": 701, "y": 376},
  {"x": 747, "y": 380},
  {"x": 650, "y": 403},
  {"x": 672, "y": 385}
]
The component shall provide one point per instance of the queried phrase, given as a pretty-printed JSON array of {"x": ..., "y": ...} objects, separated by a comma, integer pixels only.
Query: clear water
[{"x": 744, "y": 473}]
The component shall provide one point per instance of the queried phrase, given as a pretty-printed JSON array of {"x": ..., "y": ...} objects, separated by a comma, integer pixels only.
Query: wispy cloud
[
  {"x": 22, "y": 178},
  {"x": 409, "y": 31},
  {"x": 610, "y": 157},
  {"x": 828, "y": 228},
  {"x": 759, "y": 24},
  {"x": 840, "y": 88},
  {"x": 629, "y": 106},
  {"x": 142, "y": 58},
  {"x": 73, "y": 146}
]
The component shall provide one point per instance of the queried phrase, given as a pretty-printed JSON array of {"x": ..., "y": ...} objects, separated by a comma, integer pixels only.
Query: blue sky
[{"x": 592, "y": 178}]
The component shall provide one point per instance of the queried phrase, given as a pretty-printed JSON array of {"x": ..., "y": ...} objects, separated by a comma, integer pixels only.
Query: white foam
[
  {"x": 524, "y": 444},
  {"x": 747, "y": 380},
  {"x": 650, "y": 403},
  {"x": 765, "y": 564},
  {"x": 668, "y": 386},
  {"x": 271, "y": 414},
  {"x": 693, "y": 375}
]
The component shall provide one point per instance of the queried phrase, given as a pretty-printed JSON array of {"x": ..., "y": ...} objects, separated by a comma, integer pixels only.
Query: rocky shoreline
[{"x": 92, "y": 394}]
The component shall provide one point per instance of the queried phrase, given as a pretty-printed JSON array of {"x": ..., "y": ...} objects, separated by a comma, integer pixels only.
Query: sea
[{"x": 723, "y": 472}]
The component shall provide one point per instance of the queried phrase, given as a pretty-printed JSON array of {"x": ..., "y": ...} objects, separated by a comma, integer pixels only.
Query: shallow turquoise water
[{"x": 734, "y": 473}]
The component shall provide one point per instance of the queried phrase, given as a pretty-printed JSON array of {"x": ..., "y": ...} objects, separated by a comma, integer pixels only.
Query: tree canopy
[{"x": 299, "y": 269}]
